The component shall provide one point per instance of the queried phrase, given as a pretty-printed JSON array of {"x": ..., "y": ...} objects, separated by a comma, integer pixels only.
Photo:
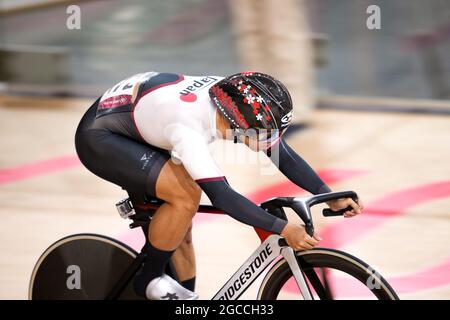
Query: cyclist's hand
[
  {"x": 339, "y": 204},
  {"x": 297, "y": 238}
]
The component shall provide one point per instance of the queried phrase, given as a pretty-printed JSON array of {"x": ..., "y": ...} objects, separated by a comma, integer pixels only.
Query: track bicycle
[{"x": 93, "y": 266}]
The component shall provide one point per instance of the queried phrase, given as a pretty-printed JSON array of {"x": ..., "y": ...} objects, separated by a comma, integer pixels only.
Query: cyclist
[{"x": 128, "y": 135}]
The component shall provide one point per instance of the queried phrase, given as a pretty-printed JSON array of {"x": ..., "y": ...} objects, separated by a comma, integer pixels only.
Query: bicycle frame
[
  {"x": 272, "y": 246},
  {"x": 264, "y": 255}
]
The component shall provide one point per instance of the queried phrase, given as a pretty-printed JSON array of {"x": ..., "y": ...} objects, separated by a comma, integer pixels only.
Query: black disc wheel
[{"x": 82, "y": 266}]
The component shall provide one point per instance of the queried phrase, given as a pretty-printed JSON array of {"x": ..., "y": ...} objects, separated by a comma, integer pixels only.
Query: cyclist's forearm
[
  {"x": 298, "y": 170},
  {"x": 222, "y": 196}
]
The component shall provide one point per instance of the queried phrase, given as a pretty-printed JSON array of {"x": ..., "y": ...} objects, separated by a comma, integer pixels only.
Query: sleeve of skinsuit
[
  {"x": 296, "y": 169},
  {"x": 222, "y": 196},
  {"x": 193, "y": 152}
]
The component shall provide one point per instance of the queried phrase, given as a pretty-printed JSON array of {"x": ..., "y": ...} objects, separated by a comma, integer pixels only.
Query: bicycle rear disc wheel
[
  {"x": 81, "y": 267},
  {"x": 335, "y": 274}
]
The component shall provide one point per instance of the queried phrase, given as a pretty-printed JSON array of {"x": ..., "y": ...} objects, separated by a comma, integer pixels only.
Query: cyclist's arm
[
  {"x": 297, "y": 170},
  {"x": 193, "y": 152},
  {"x": 222, "y": 196}
]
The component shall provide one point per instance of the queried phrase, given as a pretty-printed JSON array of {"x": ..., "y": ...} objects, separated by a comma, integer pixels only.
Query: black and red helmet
[{"x": 253, "y": 100}]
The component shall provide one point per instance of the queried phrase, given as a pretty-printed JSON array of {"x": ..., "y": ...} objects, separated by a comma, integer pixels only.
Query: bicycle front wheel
[
  {"x": 81, "y": 266},
  {"x": 330, "y": 274}
]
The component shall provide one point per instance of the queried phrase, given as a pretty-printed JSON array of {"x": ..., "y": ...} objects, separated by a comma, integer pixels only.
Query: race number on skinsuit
[
  {"x": 125, "y": 95},
  {"x": 120, "y": 97}
]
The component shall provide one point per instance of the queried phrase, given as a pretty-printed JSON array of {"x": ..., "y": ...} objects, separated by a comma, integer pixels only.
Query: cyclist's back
[{"x": 142, "y": 119}]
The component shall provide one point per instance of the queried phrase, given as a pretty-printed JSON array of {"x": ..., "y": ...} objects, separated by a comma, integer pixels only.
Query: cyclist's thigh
[
  {"x": 133, "y": 165},
  {"x": 174, "y": 183}
]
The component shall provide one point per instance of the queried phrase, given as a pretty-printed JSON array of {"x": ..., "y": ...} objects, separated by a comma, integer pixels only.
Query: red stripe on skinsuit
[{"x": 210, "y": 179}]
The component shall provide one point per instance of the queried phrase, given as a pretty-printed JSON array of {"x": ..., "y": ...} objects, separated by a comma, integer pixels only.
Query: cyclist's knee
[
  {"x": 176, "y": 187},
  {"x": 186, "y": 196},
  {"x": 187, "y": 201}
]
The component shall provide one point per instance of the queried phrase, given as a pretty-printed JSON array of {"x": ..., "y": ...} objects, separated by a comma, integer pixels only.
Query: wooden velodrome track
[{"x": 398, "y": 163}]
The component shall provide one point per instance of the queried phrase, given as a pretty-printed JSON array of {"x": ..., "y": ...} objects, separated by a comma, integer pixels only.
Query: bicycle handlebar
[{"x": 301, "y": 206}]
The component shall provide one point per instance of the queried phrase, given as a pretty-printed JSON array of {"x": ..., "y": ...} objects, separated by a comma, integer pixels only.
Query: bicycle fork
[
  {"x": 267, "y": 252},
  {"x": 289, "y": 255}
]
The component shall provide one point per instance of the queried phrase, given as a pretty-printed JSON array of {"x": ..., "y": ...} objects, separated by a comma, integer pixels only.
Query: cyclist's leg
[
  {"x": 168, "y": 229},
  {"x": 170, "y": 224},
  {"x": 183, "y": 260},
  {"x": 182, "y": 197}
]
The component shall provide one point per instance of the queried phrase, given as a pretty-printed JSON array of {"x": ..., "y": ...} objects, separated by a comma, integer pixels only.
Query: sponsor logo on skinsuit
[{"x": 188, "y": 95}]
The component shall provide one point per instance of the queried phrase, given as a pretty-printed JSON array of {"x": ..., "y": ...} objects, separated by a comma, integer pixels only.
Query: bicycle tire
[
  {"x": 99, "y": 260},
  {"x": 280, "y": 272}
]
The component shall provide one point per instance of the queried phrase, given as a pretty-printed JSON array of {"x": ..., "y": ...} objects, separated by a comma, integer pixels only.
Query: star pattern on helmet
[
  {"x": 250, "y": 99},
  {"x": 242, "y": 87},
  {"x": 253, "y": 99}
]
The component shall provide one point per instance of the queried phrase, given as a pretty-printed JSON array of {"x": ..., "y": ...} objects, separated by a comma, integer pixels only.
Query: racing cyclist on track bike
[{"x": 128, "y": 135}]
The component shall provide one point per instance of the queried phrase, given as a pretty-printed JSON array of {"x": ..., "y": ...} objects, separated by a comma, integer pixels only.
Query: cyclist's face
[{"x": 258, "y": 141}]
